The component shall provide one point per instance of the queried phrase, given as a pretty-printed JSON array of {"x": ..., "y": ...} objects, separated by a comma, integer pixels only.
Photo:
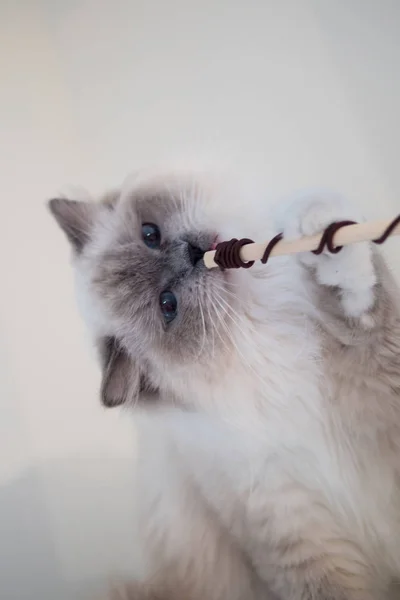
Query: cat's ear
[
  {"x": 122, "y": 379},
  {"x": 75, "y": 219}
]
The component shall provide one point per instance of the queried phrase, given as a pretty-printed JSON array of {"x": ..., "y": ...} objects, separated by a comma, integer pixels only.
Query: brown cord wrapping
[
  {"x": 328, "y": 235},
  {"x": 227, "y": 254},
  {"x": 270, "y": 247},
  {"x": 387, "y": 231}
]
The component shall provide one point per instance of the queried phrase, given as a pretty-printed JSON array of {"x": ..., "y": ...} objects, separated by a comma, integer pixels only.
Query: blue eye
[
  {"x": 169, "y": 306},
  {"x": 151, "y": 235}
]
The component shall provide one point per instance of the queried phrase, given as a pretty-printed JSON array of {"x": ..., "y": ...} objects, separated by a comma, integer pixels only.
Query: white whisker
[
  {"x": 233, "y": 341},
  {"x": 212, "y": 305},
  {"x": 204, "y": 328},
  {"x": 232, "y": 313}
]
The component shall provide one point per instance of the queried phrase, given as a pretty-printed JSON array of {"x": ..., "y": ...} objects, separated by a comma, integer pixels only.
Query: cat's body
[{"x": 269, "y": 421}]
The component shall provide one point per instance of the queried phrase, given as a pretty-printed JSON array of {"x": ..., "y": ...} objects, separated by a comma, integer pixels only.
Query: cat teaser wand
[{"x": 243, "y": 253}]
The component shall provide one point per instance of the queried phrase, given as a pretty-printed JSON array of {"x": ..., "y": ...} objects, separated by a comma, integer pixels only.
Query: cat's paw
[{"x": 351, "y": 270}]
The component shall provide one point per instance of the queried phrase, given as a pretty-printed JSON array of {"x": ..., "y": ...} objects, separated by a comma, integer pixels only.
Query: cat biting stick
[
  {"x": 267, "y": 409},
  {"x": 243, "y": 253}
]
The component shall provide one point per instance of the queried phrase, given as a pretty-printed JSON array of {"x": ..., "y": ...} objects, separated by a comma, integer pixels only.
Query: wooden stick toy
[{"x": 243, "y": 253}]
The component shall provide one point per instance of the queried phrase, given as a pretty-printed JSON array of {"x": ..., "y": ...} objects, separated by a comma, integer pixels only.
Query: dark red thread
[
  {"x": 328, "y": 235},
  {"x": 270, "y": 247},
  {"x": 227, "y": 254},
  {"x": 387, "y": 231}
]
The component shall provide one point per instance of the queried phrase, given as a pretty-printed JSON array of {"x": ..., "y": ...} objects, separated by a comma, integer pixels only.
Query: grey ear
[
  {"x": 75, "y": 219},
  {"x": 122, "y": 380}
]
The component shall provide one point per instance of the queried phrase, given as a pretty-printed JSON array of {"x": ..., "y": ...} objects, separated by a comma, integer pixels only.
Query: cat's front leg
[
  {"x": 298, "y": 548},
  {"x": 350, "y": 274},
  {"x": 183, "y": 550}
]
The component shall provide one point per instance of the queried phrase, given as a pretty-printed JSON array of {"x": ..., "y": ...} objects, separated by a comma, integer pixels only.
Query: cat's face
[{"x": 156, "y": 312}]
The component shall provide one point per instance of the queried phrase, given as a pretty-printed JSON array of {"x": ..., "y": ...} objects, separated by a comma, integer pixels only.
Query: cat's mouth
[
  {"x": 209, "y": 246},
  {"x": 214, "y": 245}
]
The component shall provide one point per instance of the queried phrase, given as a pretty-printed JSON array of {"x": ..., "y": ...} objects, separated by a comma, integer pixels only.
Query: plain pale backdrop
[{"x": 307, "y": 90}]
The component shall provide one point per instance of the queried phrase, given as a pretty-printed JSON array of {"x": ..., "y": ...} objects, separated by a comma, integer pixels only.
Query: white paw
[{"x": 351, "y": 269}]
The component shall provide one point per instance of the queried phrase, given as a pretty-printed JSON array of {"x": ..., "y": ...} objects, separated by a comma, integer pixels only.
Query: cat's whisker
[
  {"x": 246, "y": 337},
  {"x": 225, "y": 342},
  {"x": 212, "y": 331},
  {"x": 206, "y": 304},
  {"x": 226, "y": 327},
  {"x": 232, "y": 284},
  {"x": 204, "y": 328},
  {"x": 172, "y": 196},
  {"x": 219, "y": 318},
  {"x": 235, "y": 322},
  {"x": 235, "y": 297},
  {"x": 241, "y": 303},
  {"x": 232, "y": 294},
  {"x": 227, "y": 332},
  {"x": 233, "y": 313},
  {"x": 185, "y": 207},
  {"x": 212, "y": 328},
  {"x": 245, "y": 362},
  {"x": 191, "y": 212}
]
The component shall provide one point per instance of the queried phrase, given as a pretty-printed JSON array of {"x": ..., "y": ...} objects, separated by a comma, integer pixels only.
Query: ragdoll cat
[{"x": 267, "y": 400}]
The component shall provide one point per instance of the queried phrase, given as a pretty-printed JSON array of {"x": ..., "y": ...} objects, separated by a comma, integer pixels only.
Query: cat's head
[{"x": 158, "y": 316}]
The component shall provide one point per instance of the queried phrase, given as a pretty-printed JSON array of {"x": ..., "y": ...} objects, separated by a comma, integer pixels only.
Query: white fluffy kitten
[{"x": 267, "y": 399}]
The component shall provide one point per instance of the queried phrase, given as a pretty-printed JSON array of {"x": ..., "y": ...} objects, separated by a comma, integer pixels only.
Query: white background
[{"x": 306, "y": 90}]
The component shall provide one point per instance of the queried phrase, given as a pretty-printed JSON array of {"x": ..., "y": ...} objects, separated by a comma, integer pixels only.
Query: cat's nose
[{"x": 195, "y": 254}]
